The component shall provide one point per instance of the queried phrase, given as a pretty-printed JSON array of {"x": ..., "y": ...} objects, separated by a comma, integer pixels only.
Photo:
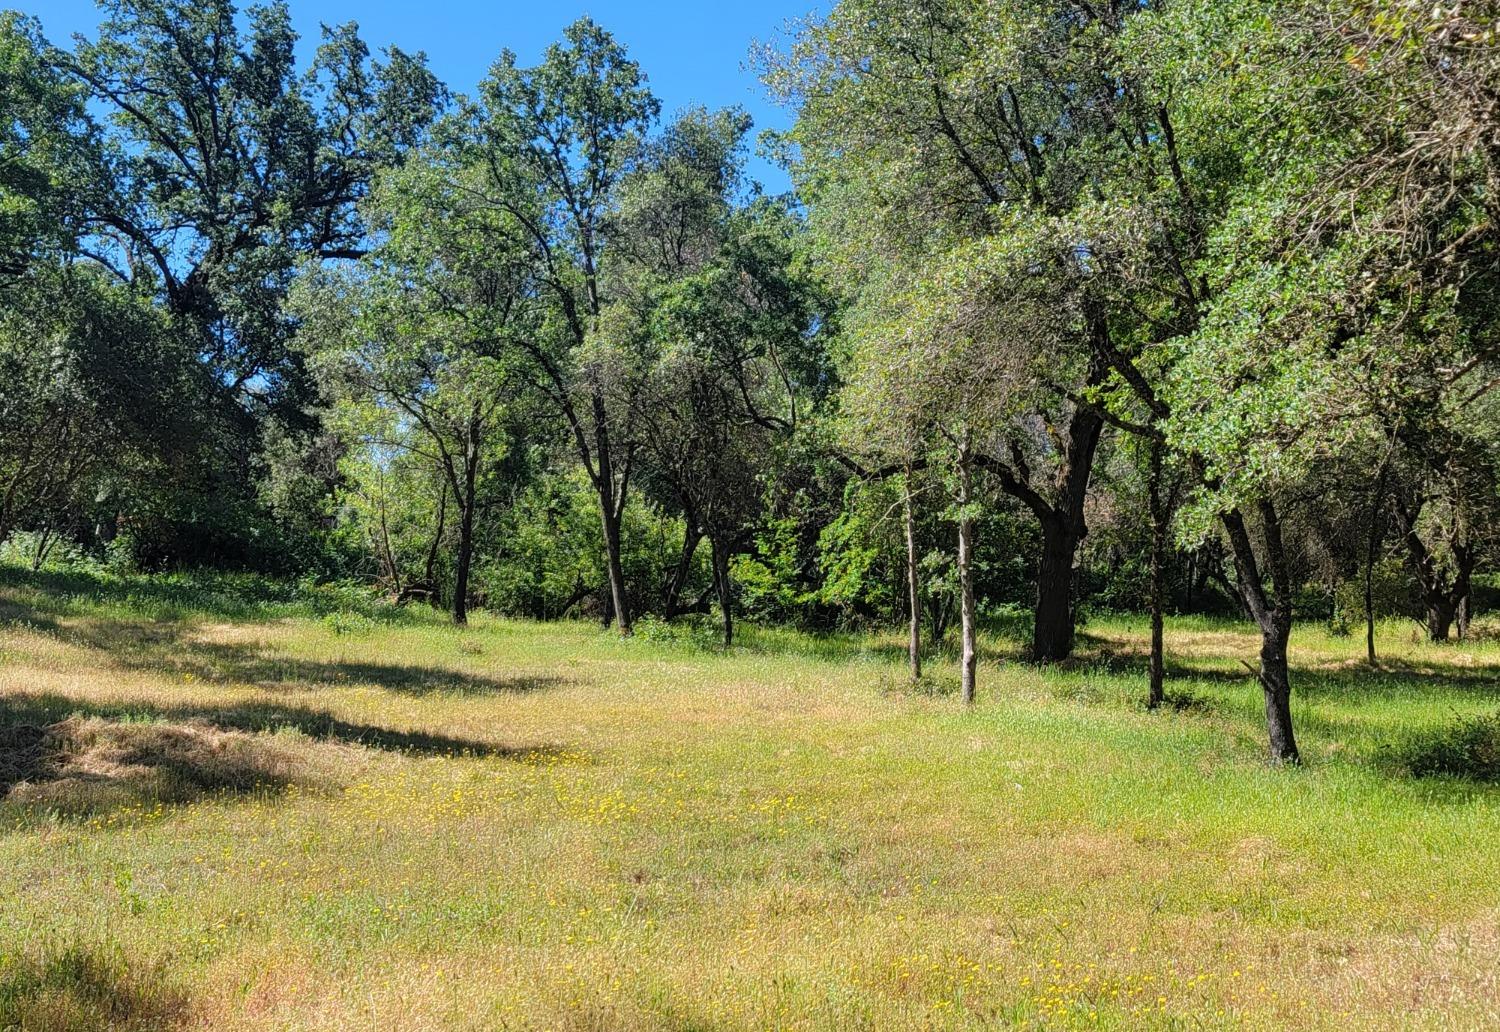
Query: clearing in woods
[{"x": 233, "y": 814}]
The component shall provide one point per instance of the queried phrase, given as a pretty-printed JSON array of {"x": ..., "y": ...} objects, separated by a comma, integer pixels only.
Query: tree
[
  {"x": 418, "y": 337},
  {"x": 727, "y": 324},
  {"x": 92, "y": 391},
  {"x": 548, "y": 145},
  {"x": 930, "y": 132},
  {"x": 48, "y": 153},
  {"x": 218, "y": 166}
]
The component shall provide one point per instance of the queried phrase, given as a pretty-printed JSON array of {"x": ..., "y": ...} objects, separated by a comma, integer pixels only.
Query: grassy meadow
[{"x": 224, "y": 810}]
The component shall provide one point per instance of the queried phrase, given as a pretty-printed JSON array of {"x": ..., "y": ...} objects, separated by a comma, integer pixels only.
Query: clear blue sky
[{"x": 693, "y": 53}]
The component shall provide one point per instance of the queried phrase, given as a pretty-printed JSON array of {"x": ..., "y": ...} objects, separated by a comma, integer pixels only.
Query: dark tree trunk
[
  {"x": 1440, "y": 616},
  {"x": 969, "y": 653},
  {"x": 465, "y": 558},
  {"x": 618, "y": 605},
  {"x": 692, "y": 535},
  {"x": 44, "y": 543},
  {"x": 1061, "y": 517},
  {"x": 913, "y": 588},
  {"x": 1442, "y": 598},
  {"x": 939, "y": 611},
  {"x": 1372, "y": 552},
  {"x": 723, "y": 587},
  {"x": 1156, "y": 693},
  {"x": 1052, "y": 631},
  {"x": 465, "y": 484},
  {"x": 1270, "y": 605},
  {"x": 1276, "y": 683},
  {"x": 430, "y": 566},
  {"x": 612, "y": 498}
]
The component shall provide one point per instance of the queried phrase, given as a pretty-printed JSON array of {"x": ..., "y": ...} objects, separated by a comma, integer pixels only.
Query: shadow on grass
[
  {"x": 81, "y": 990},
  {"x": 169, "y": 647},
  {"x": 1352, "y": 681},
  {"x": 69, "y": 755},
  {"x": 191, "y": 593}
]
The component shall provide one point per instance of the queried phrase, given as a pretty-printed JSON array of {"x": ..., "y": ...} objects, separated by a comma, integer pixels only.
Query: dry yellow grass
[{"x": 293, "y": 823}]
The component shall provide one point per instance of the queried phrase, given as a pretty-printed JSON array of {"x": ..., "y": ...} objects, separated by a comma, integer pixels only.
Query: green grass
[{"x": 229, "y": 810}]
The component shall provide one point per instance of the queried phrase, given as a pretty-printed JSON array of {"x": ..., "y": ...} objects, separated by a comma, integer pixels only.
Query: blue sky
[{"x": 693, "y": 53}]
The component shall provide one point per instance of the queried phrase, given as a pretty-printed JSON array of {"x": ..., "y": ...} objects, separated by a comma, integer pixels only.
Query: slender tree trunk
[
  {"x": 1462, "y": 616},
  {"x": 692, "y": 535},
  {"x": 1270, "y": 605},
  {"x": 465, "y": 558},
  {"x": 1157, "y": 687},
  {"x": 387, "y": 554},
  {"x": 611, "y": 507},
  {"x": 969, "y": 655},
  {"x": 43, "y": 547},
  {"x": 465, "y": 494},
  {"x": 913, "y": 588},
  {"x": 1052, "y": 629},
  {"x": 617, "y": 596},
  {"x": 430, "y": 566},
  {"x": 722, "y": 586},
  {"x": 1372, "y": 552}
]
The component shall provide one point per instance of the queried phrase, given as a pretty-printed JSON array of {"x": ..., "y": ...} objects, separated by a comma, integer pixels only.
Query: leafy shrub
[
  {"x": 1467, "y": 747},
  {"x": 695, "y": 631}
]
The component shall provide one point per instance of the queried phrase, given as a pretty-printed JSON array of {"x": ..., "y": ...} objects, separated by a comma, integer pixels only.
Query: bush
[
  {"x": 1468, "y": 747},
  {"x": 695, "y": 631}
]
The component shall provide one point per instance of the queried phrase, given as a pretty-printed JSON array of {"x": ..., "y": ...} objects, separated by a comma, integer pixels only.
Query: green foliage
[{"x": 1467, "y": 747}]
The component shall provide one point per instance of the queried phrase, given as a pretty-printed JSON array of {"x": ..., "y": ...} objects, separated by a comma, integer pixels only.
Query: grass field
[{"x": 231, "y": 813}]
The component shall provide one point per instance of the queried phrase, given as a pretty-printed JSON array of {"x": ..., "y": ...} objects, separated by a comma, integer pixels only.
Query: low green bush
[{"x": 1467, "y": 747}]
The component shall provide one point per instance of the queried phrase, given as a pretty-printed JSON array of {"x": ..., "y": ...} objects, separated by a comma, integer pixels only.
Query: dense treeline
[{"x": 1177, "y": 306}]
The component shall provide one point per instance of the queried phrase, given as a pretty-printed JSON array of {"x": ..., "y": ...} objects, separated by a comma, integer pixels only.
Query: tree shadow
[
  {"x": 219, "y": 594},
  {"x": 1351, "y": 679},
  {"x": 69, "y": 755},
  {"x": 166, "y": 649},
  {"x": 80, "y": 989},
  {"x": 169, "y": 646}
]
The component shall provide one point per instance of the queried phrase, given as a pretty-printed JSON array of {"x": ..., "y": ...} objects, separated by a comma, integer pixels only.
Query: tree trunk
[
  {"x": 969, "y": 656},
  {"x": 43, "y": 547},
  {"x": 1052, "y": 630},
  {"x": 722, "y": 586},
  {"x": 611, "y": 522},
  {"x": 1270, "y": 605},
  {"x": 1275, "y": 679},
  {"x": 1372, "y": 552},
  {"x": 1441, "y": 597},
  {"x": 429, "y": 568},
  {"x": 1157, "y": 688},
  {"x": 913, "y": 588},
  {"x": 465, "y": 558},
  {"x": 465, "y": 495},
  {"x": 691, "y": 536},
  {"x": 1440, "y": 615}
]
